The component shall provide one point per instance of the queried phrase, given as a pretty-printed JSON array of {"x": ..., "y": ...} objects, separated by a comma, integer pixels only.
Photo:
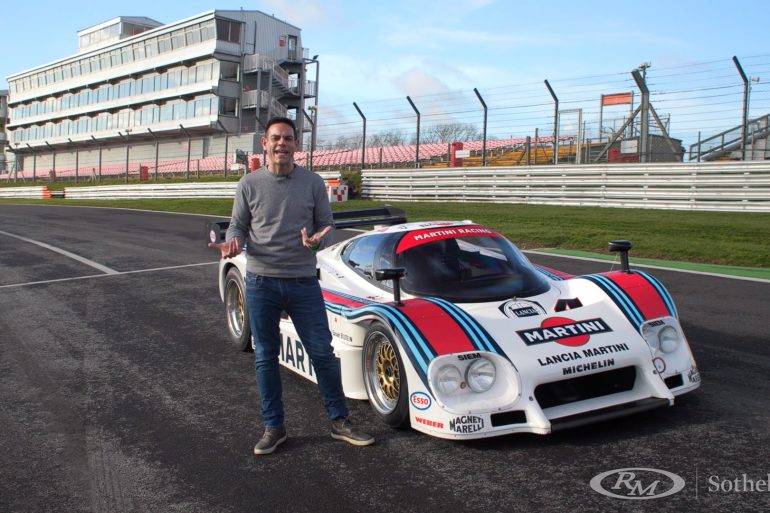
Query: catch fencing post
[
  {"x": 417, "y": 147},
  {"x": 745, "y": 117},
  {"x": 555, "y": 123},
  {"x": 363, "y": 139},
  {"x": 484, "y": 136}
]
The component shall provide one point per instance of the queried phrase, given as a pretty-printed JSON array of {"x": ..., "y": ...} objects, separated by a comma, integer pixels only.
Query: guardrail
[
  {"x": 739, "y": 186},
  {"x": 39, "y": 192},
  {"x": 146, "y": 191},
  {"x": 151, "y": 190}
]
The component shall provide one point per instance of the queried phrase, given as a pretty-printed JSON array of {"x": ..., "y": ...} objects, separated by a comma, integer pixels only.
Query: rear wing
[
  {"x": 216, "y": 231},
  {"x": 384, "y": 216}
]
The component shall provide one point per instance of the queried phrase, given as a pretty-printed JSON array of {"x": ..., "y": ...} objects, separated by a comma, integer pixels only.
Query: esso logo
[{"x": 420, "y": 400}]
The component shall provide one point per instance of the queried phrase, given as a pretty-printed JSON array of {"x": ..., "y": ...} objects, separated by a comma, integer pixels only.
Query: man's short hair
[{"x": 281, "y": 120}]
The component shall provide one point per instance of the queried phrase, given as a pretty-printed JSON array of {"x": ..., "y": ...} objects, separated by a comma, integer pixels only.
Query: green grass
[{"x": 727, "y": 238}]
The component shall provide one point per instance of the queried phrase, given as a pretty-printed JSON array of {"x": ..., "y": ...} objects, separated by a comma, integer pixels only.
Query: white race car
[{"x": 447, "y": 327}]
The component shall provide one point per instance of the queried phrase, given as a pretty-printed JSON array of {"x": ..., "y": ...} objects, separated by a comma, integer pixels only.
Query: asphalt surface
[{"x": 119, "y": 393}]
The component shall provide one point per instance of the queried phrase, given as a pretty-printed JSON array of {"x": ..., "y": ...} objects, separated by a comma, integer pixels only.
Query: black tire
[
  {"x": 236, "y": 313},
  {"x": 384, "y": 376}
]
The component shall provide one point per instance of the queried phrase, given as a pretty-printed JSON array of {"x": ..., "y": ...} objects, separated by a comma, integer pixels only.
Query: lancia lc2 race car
[{"x": 447, "y": 327}]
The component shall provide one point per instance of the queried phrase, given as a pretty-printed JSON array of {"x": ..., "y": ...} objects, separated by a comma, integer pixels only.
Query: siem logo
[
  {"x": 420, "y": 400},
  {"x": 637, "y": 483}
]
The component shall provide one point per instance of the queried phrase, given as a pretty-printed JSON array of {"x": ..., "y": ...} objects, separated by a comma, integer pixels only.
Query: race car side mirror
[
  {"x": 394, "y": 274},
  {"x": 622, "y": 247}
]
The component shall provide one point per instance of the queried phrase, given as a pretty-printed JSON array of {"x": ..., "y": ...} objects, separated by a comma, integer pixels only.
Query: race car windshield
[{"x": 469, "y": 269}]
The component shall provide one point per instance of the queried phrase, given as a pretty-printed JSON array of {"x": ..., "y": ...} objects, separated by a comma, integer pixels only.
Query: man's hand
[
  {"x": 227, "y": 249},
  {"x": 315, "y": 240}
]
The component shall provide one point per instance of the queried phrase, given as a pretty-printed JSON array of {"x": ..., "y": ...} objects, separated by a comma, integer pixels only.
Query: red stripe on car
[
  {"x": 342, "y": 300},
  {"x": 642, "y": 293},
  {"x": 440, "y": 329}
]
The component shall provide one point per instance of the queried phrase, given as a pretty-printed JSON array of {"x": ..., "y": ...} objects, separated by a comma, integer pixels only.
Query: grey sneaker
[
  {"x": 271, "y": 438},
  {"x": 343, "y": 429}
]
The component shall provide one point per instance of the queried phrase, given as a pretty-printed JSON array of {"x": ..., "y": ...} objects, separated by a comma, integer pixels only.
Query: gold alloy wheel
[
  {"x": 382, "y": 374},
  {"x": 387, "y": 371}
]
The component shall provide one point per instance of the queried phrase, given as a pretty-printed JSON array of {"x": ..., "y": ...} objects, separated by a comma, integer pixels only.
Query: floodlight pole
[
  {"x": 645, "y": 113},
  {"x": 484, "y": 135},
  {"x": 363, "y": 138}
]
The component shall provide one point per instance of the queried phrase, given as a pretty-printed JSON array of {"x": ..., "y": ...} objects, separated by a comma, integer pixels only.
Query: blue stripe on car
[
  {"x": 482, "y": 340},
  {"x": 621, "y": 299}
]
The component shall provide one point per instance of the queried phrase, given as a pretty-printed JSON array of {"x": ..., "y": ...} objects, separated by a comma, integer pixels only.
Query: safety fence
[{"x": 733, "y": 186}]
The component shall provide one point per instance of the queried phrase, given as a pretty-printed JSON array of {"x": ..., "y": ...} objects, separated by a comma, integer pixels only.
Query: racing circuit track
[{"x": 119, "y": 393}]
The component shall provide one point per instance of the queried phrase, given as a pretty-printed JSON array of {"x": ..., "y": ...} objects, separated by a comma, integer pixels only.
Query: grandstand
[
  {"x": 146, "y": 170},
  {"x": 500, "y": 152}
]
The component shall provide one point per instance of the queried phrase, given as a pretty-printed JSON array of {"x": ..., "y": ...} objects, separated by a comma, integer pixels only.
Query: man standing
[{"x": 282, "y": 211}]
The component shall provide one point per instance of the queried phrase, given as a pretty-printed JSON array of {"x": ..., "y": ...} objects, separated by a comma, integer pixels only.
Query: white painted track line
[
  {"x": 114, "y": 273},
  {"x": 82, "y": 260}
]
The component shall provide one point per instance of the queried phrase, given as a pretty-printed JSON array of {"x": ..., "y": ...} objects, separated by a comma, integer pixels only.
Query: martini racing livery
[{"x": 447, "y": 327}]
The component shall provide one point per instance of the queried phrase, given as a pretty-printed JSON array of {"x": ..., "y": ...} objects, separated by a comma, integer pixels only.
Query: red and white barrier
[
  {"x": 337, "y": 193},
  {"x": 39, "y": 192}
]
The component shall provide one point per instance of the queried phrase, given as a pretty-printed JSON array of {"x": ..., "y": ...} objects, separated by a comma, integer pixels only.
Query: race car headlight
[
  {"x": 668, "y": 339},
  {"x": 480, "y": 375},
  {"x": 449, "y": 379},
  {"x": 651, "y": 336}
]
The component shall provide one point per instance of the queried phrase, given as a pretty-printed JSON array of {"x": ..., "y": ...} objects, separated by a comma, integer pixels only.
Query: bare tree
[
  {"x": 450, "y": 132},
  {"x": 391, "y": 137},
  {"x": 345, "y": 142}
]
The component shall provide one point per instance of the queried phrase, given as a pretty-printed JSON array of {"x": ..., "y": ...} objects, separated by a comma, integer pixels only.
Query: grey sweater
[{"x": 268, "y": 213}]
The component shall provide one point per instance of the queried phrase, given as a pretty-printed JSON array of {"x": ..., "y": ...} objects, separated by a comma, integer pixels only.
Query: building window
[
  {"x": 177, "y": 40},
  {"x": 203, "y": 106},
  {"x": 203, "y": 73},
  {"x": 193, "y": 35},
  {"x": 227, "y": 106},
  {"x": 151, "y": 48},
  {"x": 228, "y": 70},
  {"x": 164, "y": 44},
  {"x": 229, "y": 31},
  {"x": 207, "y": 30},
  {"x": 166, "y": 112}
]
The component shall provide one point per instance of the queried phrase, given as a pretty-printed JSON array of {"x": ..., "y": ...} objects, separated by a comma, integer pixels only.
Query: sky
[{"x": 437, "y": 51}]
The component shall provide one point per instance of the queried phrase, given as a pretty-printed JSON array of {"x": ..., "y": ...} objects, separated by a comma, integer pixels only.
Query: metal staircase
[{"x": 727, "y": 145}]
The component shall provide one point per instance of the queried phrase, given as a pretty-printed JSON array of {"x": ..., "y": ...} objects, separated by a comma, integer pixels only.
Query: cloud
[
  {"x": 416, "y": 82},
  {"x": 437, "y": 38},
  {"x": 300, "y": 13}
]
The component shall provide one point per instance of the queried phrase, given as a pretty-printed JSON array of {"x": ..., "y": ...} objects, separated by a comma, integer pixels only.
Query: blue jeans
[{"x": 301, "y": 298}]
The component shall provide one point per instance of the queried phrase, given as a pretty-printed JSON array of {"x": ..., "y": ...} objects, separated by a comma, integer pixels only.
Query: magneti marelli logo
[{"x": 637, "y": 483}]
